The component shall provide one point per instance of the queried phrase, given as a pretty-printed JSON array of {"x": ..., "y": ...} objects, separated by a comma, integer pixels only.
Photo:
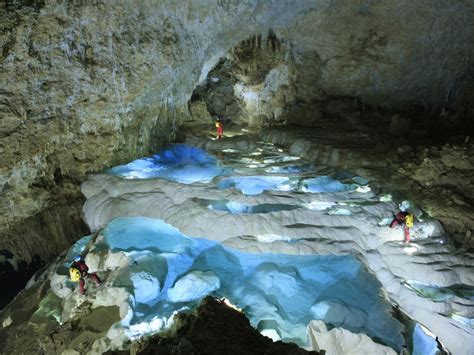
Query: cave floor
[
  {"x": 438, "y": 177},
  {"x": 233, "y": 207},
  {"x": 255, "y": 197}
]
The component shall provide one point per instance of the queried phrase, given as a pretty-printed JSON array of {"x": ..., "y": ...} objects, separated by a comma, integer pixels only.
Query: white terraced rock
[
  {"x": 338, "y": 341},
  {"x": 429, "y": 259}
]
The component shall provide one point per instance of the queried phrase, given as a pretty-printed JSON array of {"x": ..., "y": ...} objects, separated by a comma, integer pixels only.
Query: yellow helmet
[{"x": 74, "y": 274}]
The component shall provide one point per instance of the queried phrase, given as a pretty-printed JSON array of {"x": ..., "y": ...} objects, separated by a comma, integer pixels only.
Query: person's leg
[
  {"x": 81, "y": 286},
  {"x": 406, "y": 230},
  {"x": 394, "y": 223},
  {"x": 95, "y": 278}
]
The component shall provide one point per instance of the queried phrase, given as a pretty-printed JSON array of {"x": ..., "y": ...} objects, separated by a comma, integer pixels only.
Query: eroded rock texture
[
  {"x": 214, "y": 328},
  {"x": 89, "y": 85},
  {"x": 329, "y": 220},
  {"x": 268, "y": 203},
  {"x": 439, "y": 178}
]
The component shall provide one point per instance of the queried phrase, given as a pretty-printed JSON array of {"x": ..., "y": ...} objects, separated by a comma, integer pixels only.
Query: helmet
[
  {"x": 404, "y": 206},
  {"x": 77, "y": 258}
]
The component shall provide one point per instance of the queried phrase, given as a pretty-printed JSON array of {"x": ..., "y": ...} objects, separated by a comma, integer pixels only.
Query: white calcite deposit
[
  {"x": 274, "y": 245},
  {"x": 311, "y": 229},
  {"x": 338, "y": 341}
]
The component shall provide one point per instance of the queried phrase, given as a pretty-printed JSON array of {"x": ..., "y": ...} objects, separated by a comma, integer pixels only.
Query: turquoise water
[{"x": 284, "y": 288}]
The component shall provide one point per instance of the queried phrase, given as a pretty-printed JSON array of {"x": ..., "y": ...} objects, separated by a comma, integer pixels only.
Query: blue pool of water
[
  {"x": 177, "y": 162},
  {"x": 169, "y": 271}
]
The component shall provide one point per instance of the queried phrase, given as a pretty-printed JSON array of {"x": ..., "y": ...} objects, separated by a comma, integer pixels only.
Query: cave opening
[{"x": 263, "y": 82}]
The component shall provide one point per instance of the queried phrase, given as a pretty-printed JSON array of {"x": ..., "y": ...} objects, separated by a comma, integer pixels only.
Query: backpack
[
  {"x": 74, "y": 274},
  {"x": 409, "y": 220}
]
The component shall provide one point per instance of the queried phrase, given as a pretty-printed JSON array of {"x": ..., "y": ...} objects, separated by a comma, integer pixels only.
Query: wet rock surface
[
  {"x": 438, "y": 177},
  {"x": 89, "y": 86},
  {"x": 332, "y": 218},
  {"x": 337, "y": 214},
  {"x": 31, "y": 323}
]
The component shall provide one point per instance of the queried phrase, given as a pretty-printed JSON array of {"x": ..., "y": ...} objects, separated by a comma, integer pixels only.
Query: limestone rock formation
[
  {"x": 285, "y": 240},
  {"x": 86, "y": 86},
  {"x": 439, "y": 178},
  {"x": 337, "y": 219},
  {"x": 89, "y": 85},
  {"x": 341, "y": 341},
  {"x": 214, "y": 328}
]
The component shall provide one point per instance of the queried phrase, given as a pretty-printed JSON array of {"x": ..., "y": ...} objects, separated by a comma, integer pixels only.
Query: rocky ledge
[
  {"x": 214, "y": 328},
  {"x": 437, "y": 177}
]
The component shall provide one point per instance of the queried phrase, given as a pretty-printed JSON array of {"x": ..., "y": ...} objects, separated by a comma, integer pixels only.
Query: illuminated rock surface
[
  {"x": 202, "y": 332},
  {"x": 282, "y": 267},
  {"x": 79, "y": 96},
  {"x": 306, "y": 230},
  {"x": 383, "y": 88}
]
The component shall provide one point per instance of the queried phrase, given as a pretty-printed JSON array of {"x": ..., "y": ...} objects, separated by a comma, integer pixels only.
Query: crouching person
[
  {"x": 79, "y": 271},
  {"x": 405, "y": 220}
]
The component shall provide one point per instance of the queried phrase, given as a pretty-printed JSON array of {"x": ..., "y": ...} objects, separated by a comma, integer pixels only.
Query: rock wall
[
  {"x": 345, "y": 58},
  {"x": 89, "y": 85}
]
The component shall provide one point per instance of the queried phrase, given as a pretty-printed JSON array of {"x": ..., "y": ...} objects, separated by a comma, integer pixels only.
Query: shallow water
[
  {"x": 178, "y": 162},
  {"x": 171, "y": 271},
  {"x": 286, "y": 288},
  {"x": 252, "y": 172},
  {"x": 242, "y": 208}
]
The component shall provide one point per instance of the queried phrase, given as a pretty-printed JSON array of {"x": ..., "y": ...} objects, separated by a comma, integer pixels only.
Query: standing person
[
  {"x": 405, "y": 220},
  {"x": 220, "y": 128},
  {"x": 79, "y": 271}
]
